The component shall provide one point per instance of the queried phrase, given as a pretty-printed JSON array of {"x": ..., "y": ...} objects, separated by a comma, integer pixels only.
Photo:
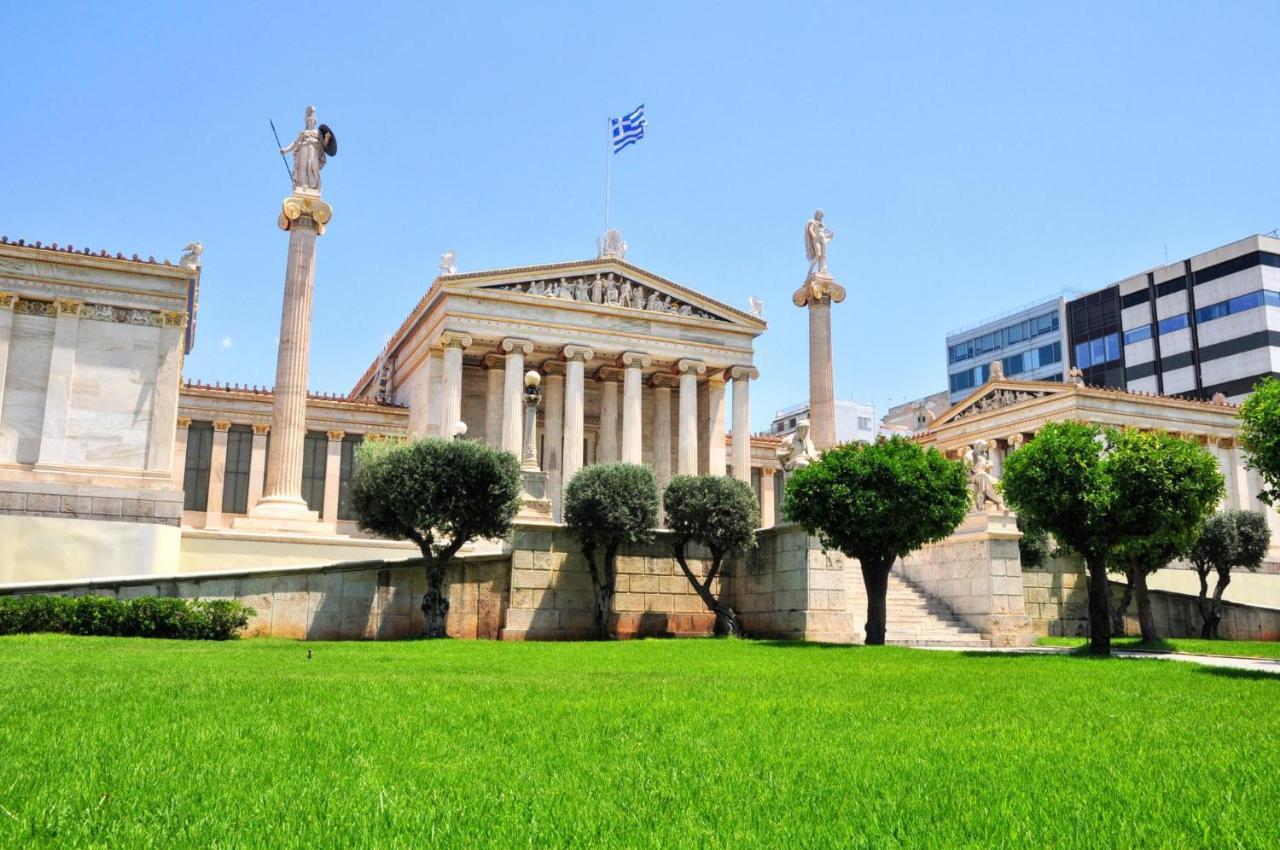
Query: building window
[
  {"x": 350, "y": 443},
  {"x": 235, "y": 486},
  {"x": 1138, "y": 334},
  {"x": 1173, "y": 323},
  {"x": 195, "y": 480},
  {"x": 1099, "y": 350},
  {"x": 864, "y": 423},
  {"x": 1239, "y": 304},
  {"x": 315, "y": 450},
  {"x": 1133, "y": 299}
]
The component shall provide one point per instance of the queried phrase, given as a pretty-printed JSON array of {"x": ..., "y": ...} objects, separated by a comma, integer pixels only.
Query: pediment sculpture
[{"x": 610, "y": 290}]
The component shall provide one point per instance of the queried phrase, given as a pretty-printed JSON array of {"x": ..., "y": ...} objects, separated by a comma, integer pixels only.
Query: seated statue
[{"x": 797, "y": 450}]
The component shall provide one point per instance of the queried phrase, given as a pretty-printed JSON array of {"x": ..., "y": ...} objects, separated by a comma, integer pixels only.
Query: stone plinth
[
  {"x": 535, "y": 502},
  {"x": 977, "y": 573}
]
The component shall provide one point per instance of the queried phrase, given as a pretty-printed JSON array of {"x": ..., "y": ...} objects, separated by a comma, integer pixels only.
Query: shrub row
[{"x": 146, "y": 616}]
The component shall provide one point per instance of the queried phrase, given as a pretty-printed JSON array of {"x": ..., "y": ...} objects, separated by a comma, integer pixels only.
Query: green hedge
[{"x": 146, "y": 616}]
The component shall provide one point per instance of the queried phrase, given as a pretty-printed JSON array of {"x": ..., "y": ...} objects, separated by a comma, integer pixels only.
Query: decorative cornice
[
  {"x": 173, "y": 319},
  {"x": 455, "y": 339},
  {"x": 510, "y": 344},
  {"x": 67, "y": 307},
  {"x": 687, "y": 366},
  {"x": 634, "y": 359},
  {"x": 739, "y": 373},
  {"x": 7, "y": 300},
  {"x": 336, "y": 436},
  {"x": 261, "y": 429},
  {"x": 27, "y": 307},
  {"x": 579, "y": 353},
  {"x": 221, "y": 425}
]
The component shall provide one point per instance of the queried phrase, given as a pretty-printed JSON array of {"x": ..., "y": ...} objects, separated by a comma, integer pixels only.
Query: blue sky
[{"x": 969, "y": 157}]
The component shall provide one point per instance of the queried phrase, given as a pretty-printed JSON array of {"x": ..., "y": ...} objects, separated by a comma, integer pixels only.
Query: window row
[
  {"x": 235, "y": 486},
  {"x": 1027, "y": 361},
  {"x": 996, "y": 340},
  {"x": 1099, "y": 350},
  {"x": 1239, "y": 304}
]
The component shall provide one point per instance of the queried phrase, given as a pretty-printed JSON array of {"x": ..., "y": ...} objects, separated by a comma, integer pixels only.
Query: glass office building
[{"x": 1028, "y": 341}]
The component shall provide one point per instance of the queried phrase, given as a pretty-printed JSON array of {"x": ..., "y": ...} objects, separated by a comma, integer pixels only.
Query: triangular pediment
[
  {"x": 608, "y": 284},
  {"x": 997, "y": 395}
]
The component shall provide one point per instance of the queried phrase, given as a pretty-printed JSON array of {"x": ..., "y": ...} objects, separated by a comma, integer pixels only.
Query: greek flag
[{"x": 628, "y": 129}]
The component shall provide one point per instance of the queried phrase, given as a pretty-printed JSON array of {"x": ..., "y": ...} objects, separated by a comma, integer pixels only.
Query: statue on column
[
  {"x": 797, "y": 450},
  {"x": 981, "y": 480},
  {"x": 310, "y": 152},
  {"x": 816, "y": 237}
]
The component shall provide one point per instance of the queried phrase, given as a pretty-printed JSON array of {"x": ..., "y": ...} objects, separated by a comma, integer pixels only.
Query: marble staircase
[{"x": 914, "y": 618}]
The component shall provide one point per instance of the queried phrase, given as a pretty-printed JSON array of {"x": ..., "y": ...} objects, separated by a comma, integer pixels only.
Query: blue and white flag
[{"x": 628, "y": 129}]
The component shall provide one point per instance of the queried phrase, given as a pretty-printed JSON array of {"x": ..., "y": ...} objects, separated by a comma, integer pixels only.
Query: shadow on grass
[
  {"x": 801, "y": 644},
  {"x": 1237, "y": 673}
]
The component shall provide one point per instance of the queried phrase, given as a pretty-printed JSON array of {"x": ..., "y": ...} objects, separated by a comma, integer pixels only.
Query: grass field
[
  {"x": 1193, "y": 646},
  {"x": 694, "y": 743}
]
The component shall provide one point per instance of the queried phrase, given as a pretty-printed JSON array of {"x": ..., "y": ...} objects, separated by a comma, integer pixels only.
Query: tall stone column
[
  {"x": 304, "y": 216},
  {"x": 493, "y": 400},
  {"x": 217, "y": 475},
  {"x": 662, "y": 384},
  {"x": 633, "y": 364},
  {"x": 513, "y": 394},
  {"x": 607, "y": 448},
  {"x": 258, "y": 461},
  {"x": 553, "y": 430},
  {"x": 818, "y": 293},
  {"x": 575, "y": 359},
  {"x": 768, "y": 511},
  {"x": 742, "y": 377},
  {"x": 715, "y": 424},
  {"x": 62, "y": 365},
  {"x": 180, "y": 451},
  {"x": 332, "y": 475},
  {"x": 453, "y": 344},
  {"x": 687, "y": 436}
]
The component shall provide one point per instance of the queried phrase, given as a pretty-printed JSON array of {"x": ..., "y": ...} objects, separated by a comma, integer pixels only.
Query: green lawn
[
  {"x": 695, "y": 743},
  {"x": 1243, "y": 648}
]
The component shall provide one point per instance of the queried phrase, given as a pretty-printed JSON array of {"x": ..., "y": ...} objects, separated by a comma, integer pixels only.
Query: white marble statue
[
  {"x": 191, "y": 256},
  {"x": 797, "y": 450},
  {"x": 581, "y": 292},
  {"x": 756, "y": 305},
  {"x": 611, "y": 246},
  {"x": 308, "y": 155},
  {"x": 447, "y": 264},
  {"x": 981, "y": 482},
  {"x": 597, "y": 290},
  {"x": 816, "y": 237},
  {"x": 624, "y": 293}
]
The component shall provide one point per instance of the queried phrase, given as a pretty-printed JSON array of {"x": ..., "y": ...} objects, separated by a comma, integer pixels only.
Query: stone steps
[{"x": 916, "y": 619}]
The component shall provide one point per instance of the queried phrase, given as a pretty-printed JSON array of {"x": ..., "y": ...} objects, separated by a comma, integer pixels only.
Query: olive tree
[
  {"x": 608, "y": 506},
  {"x": 878, "y": 502},
  {"x": 441, "y": 494},
  {"x": 719, "y": 513},
  {"x": 1119, "y": 498},
  {"x": 1260, "y": 435},
  {"x": 1229, "y": 539}
]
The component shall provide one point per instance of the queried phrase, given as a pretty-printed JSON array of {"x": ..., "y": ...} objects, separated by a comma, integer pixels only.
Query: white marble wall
[
  {"x": 113, "y": 395},
  {"x": 25, "y": 385}
]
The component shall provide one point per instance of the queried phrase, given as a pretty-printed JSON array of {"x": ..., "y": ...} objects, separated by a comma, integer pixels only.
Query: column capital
[
  {"x": 221, "y": 425},
  {"x": 662, "y": 381},
  {"x": 1014, "y": 440},
  {"x": 8, "y": 300},
  {"x": 514, "y": 345},
  {"x": 173, "y": 318},
  {"x": 184, "y": 421},
  {"x": 552, "y": 368},
  {"x": 455, "y": 339},
  {"x": 741, "y": 373},
  {"x": 336, "y": 436},
  {"x": 578, "y": 353},
  {"x": 767, "y": 471},
  {"x": 607, "y": 374},
  {"x": 494, "y": 361},
  {"x": 634, "y": 359},
  {"x": 687, "y": 366},
  {"x": 67, "y": 307},
  {"x": 261, "y": 429}
]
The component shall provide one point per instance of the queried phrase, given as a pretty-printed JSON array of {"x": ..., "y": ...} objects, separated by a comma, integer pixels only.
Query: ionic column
[
  {"x": 7, "y": 302},
  {"x": 553, "y": 430},
  {"x": 180, "y": 451},
  {"x": 662, "y": 384},
  {"x": 607, "y": 447},
  {"x": 742, "y": 377},
  {"x": 997, "y": 458},
  {"x": 218, "y": 475},
  {"x": 575, "y": 360},
  {"x": 62, "y": 366},
  {"x": 494, "y": 377},
  {"x": 513, "y": 394},
  {"x": 633, "y": 364},
  {"x": 453, "y": 344},
  {"x": 768, "y": 512},
  {"x": 164, "y": 405},
  {"x": 332, "y": 476},
  {"x": 687, "y": 437},
  {"x": 257, "y": 461},
  {"x": 715, "y": 424}
]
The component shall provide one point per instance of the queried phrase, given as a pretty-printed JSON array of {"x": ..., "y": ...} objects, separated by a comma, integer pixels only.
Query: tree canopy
[
  {"x": 1260, "y": 435},
  {"x": 1229, "y": 539}
]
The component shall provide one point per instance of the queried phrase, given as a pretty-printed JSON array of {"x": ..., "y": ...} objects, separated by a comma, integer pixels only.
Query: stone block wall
[
  {"x": 1177, "y": 615},
  {"x": 1057, "y": 597},
  {"x": 78, "y": 501},
  {"x": 978, "y": 574}
]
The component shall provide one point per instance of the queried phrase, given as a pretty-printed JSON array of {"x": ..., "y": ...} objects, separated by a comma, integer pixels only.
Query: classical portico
[{"x": 612, "y": 342}]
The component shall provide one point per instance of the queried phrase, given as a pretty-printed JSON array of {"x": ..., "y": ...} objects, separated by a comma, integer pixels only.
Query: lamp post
[{"x": 532, "y": 398}]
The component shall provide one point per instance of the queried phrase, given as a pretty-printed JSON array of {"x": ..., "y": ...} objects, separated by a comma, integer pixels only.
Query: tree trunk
[
  {"x": 1146, "y": 619},
  {"x": 435, "y": 604},
  {"x": 1099, "y": 613},
  {"x": 1117, "y": 613},
  {"x": 605, "y": 580},
  {"x": 1202, "y": 602},
  {"x": 875, "y": 577},
  {"x": 727, "y": 621},
  {"x": 727, "y": 624},
  {"x": 1215, "y": 606}
]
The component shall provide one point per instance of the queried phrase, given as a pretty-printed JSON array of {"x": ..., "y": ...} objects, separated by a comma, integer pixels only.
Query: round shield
[{"x": 329, "y": 140}]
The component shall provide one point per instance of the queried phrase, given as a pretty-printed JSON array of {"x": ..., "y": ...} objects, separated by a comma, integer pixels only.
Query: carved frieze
[
  {"x": 609, "y": 290},
  {"x": 997, "y": 400}
]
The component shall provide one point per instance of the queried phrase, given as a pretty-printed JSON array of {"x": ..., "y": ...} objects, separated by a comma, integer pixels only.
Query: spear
[{"x": 283, "y": 159}]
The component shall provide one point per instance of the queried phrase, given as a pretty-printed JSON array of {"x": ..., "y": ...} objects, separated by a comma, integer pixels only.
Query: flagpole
[{"x": 608, "y": 169}]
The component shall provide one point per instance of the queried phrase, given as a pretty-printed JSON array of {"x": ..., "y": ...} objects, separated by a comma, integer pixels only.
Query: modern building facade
[
  {"x": 914, "y": 417},
  {"x": 1028, "y": 341},
  {"x": 1200, "y": 327},
  {"x": 854, "y": 421}
]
